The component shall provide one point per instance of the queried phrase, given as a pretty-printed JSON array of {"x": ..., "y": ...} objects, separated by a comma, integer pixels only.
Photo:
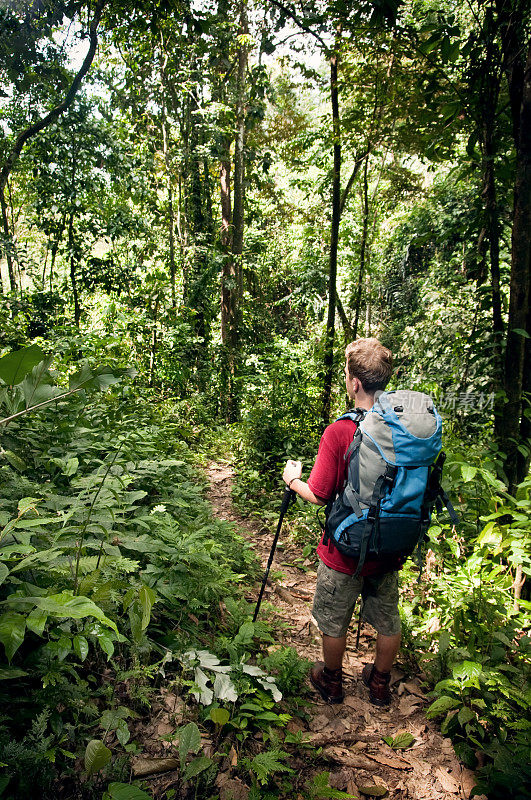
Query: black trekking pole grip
[{"x": 289, "y": 494}]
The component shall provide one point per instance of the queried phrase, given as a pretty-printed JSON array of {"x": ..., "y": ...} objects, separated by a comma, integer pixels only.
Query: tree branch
[
  {"x": 289, "y": 13},
  {"x": 52, "y": 115},
  {"x": 350, "y": 182}
]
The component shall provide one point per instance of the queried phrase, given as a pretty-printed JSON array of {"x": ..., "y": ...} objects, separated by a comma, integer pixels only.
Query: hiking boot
[
  {"x": 328, "y": 682},
  {"x": 378, "y": 685}
]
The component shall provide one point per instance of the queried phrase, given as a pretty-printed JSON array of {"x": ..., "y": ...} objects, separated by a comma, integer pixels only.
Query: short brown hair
[{"x": 370, "y": 362}]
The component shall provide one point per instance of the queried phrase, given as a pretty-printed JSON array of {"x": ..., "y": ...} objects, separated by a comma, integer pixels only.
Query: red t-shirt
[{"x": 326, "y": 479}]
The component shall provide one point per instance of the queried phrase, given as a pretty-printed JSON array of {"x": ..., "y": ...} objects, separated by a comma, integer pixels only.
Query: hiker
[{"x": 368, "y": 368}]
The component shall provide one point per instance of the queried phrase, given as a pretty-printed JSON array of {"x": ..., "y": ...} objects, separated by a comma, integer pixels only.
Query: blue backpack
[{"x": 393, "y": 479}]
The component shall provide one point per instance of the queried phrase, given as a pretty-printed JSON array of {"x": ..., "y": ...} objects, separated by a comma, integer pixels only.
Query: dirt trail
[{"x": 351, "y": 733}]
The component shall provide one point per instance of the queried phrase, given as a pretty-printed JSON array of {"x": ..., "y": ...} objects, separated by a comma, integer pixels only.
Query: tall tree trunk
[
  {"x": 512, "y": 423},
  {"x": 73, "y": 279},
  {"x": 7, "y": 243},
  {"x": 235, "y": 266},
  {"x": 154, "y": 342},
  {"x": 226, "y": 244},
  {"x": 363, "y": 247},
  {"x": 328, "y": 360},
  {"x": 55, "y": 247},
  {"x": 167, "y": 165},
  {"x": 492, "y": 225}
]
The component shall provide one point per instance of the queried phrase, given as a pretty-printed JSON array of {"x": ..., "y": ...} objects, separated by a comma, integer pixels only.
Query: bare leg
[
  {"x": 386, "y": 650},
  {"x": 333, "y": 650}
]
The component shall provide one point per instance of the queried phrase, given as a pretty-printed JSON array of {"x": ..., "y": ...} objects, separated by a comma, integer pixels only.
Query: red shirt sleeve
[{"x": 329, "y": 470}]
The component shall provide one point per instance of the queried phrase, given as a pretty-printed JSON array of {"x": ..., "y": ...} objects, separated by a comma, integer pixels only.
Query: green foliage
[
  {"x": 289, "y": 669},
  {"x": 125, "y": 791},
  {"x": 319, "y": 788},
  {"x": 108, "y": 551},
  {"x": 474, "y": 645},
  {"x": 267, "y": 764}
]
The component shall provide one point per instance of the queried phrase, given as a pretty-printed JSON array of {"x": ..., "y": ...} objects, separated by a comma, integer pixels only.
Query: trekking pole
[{"x": 289, "y": 495}]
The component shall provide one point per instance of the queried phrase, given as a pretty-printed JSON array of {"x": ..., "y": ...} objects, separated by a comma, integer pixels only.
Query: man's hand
[{"x": 292, "y": 470}]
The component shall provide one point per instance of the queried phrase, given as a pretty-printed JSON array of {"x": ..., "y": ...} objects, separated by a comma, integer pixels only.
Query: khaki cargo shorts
[{"x": 336, "y": 595}]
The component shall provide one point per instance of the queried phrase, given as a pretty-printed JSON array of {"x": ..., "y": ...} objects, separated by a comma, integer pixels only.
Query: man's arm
[{"x": 292, "y": 476}]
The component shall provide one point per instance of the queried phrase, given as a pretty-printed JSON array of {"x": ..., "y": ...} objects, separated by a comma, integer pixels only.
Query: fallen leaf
[
  {"x": 358, "y": 704},
  {"x": 468, "y": 781},
  {"x": 413, "y": 688},
  {"x": 390, "y": 761},
  {"x": 342, "y": 756},
  {"x": 447, "y": 781},
  {"x": 153, "y": 766},
  {"x": 408, "y": 704},
  {"x": 318, "y": 722}
]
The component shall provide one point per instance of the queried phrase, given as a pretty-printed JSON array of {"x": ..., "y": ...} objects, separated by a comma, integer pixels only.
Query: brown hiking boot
[
  {"x": 378, "y": 685},
  {"x": 328, "y": 682}
]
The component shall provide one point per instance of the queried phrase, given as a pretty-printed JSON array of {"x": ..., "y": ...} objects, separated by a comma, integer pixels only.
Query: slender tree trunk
[
  {"x": 347, "y": 327},
  {"x": 7, "y": 243},
  {"x": 363, "y": 246},
  {"x": 235, "y": 265},
  {"x": 169, "y": 184},
  {"x": 368, "y": 306},
  {"x": 55, "y": 247},
  {"x": 226, "y": 245},
  {"x": 493, "y": 232},
  {"x": 73, "y": 279},
  {"x": 154, "y": 342},
  {"x": 515, "y": 352},
  {"x": 328, "y": 360}
]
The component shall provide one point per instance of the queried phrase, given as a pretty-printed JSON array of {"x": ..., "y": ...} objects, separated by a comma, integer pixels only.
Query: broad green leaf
[
  {"x": 147, "y": 598},
  {"x": 106, "y": 644},
  {"x": 445, "y": 638},
  {"x": 219, "y": 716},
  {"x": 16, "y": 365},
  {"x": 97, "y": 756},
  {"x": 189, "y": 741},
  {"x": 122, "y": 732},
  {"x": 468, "y": 471},
  {"x": 467, "y": 670},
  {"x": 402, "y": 740},
  {"x": 71, "y": 467},
  {"x": 26, "y": 504},
  {"x": 12, "y": 629},
  {"x": 65, "y": 605},
  {"x": 15, "y": 460},
  {"x": 521, "y": 332},
  {"x": 442, "y": 705},
  {"x": 224, "y": 688},
  {"x": 125, "y": 791},
  {"x": 8, "y": 673},
  {"x": 197, "y": 766},
  {"x": 465, "y": 715},
  {"x": 64, "y": 646},
  {"x": 4, "y": 572},
  {"x": 81, "y": 647},
  {"x": 36, "y": 621}
]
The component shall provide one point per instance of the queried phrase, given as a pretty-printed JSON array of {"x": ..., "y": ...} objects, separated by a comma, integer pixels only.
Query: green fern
[{"x": 266, "y": 764}]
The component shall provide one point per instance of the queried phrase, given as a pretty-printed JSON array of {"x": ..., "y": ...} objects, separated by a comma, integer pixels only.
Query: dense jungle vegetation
[{"x": 202, "y": 203}]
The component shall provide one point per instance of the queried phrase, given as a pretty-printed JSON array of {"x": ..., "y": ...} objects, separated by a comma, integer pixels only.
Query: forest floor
[{"x": 351, "y": 734}]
